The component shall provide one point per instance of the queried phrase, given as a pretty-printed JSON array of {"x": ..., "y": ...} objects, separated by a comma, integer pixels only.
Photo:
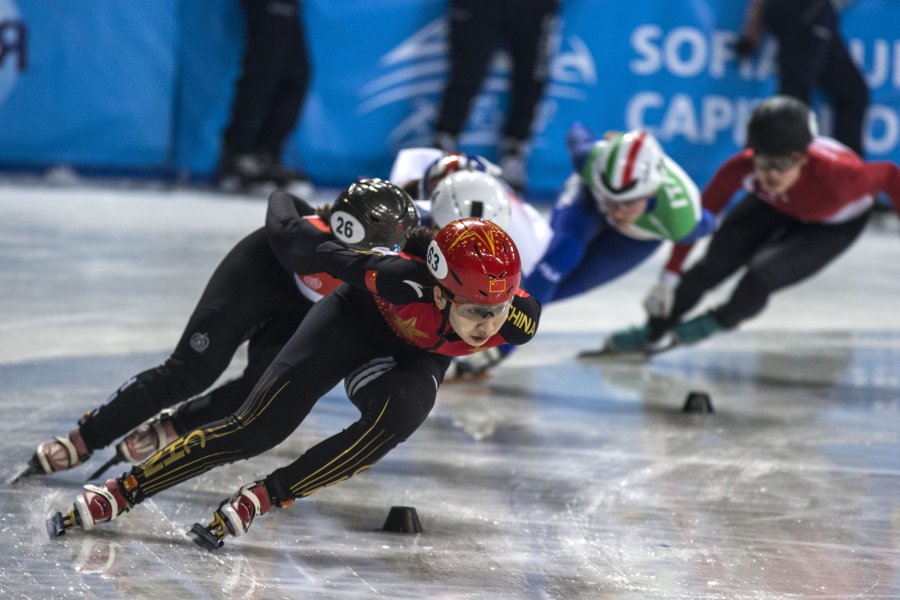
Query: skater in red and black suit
[
  {"x": 260, "y": 292},
  {"x": 389, "y": 333},
  {"x": 807, "y": 199}
]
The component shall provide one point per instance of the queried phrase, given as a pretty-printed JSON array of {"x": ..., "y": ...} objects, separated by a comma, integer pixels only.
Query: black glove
[{"x": 744, "y": 47}]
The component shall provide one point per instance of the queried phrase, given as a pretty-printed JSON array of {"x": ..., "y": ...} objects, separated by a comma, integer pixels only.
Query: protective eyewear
[
  {"x": 481, "y": 312},
  {"x": 612, "y": 204},
  {"x": 776, "y": 163}
]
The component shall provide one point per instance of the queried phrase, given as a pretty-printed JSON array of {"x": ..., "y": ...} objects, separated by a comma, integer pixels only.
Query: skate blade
[
  {"x": 116, "y": 459},
  {"x": 661, "y": 350},
  {"x": 614, "y": 355},
  {"x": 204, "y": 538},
  {"x": 57, "y": 525},
  {"x": 29, "y": 471}
]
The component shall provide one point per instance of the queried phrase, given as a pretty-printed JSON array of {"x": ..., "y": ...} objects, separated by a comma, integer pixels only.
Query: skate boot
[
  {"x": 239, "y": 172},
  {"x": 696, "y": 329},
  {"x": 96, "y": 504},
  {"x": 142, "y": 443},
  {"x": 100, "y": 503},
  {"x": 444, "y": 141},
  {"x": 632, "y": 342},
  {"x": 234, "y": 515},
  {"x": 58, "y": 454},
  {"x": 294, "y": 181},
  {"x": 514, "y": 163},
  {"x": 148, "y": 439},
  {"x": 623, "y": 341}
]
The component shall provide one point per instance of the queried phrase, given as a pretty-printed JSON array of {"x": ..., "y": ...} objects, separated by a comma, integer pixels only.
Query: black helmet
[
  {"x": 779, "y": 126},
  {"x": 371, "y": 213}
]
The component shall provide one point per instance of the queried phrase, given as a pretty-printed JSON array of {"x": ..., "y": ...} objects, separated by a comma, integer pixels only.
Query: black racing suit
[
  {"x": 391, "y": 369},
  {"x": 252, "y": 296}
]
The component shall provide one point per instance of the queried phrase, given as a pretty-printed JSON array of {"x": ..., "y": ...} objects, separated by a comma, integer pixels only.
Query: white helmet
[
  {"x": 451, "y": 163},
  {"x": 627, "y": 167},
  {"x": 470, "y": 194}
]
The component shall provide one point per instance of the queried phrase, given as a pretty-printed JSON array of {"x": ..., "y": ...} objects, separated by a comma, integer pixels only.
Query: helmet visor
[
  {"x": 781, "y": 164},
  {"x": 472, "y": 311}
]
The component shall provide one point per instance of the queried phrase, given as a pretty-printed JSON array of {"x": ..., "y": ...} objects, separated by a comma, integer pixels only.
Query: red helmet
[{"x": 475, "y": 261}]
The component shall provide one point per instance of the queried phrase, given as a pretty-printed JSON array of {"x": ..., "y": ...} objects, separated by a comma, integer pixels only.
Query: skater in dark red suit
[
  {"x": 807, "y": 199},
  {"x": 389, "y": 334},
  {"x": 260, "y": 293}
]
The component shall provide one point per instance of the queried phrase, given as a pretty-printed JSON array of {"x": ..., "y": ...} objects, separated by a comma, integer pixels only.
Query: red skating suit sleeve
[
  {"x": 734, "y": 174},
  {"x": 884, "y": 177}
]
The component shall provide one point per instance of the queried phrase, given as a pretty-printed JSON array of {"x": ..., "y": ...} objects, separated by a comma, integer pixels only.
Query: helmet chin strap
[{"x": 445, "y": 318}]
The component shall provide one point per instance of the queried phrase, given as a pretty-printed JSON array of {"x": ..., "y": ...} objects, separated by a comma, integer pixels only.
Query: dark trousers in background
[
  {"x": 476, "y": 29},
  {"x": 812, "y": 53},
  {"x": 274, "y": 79}
]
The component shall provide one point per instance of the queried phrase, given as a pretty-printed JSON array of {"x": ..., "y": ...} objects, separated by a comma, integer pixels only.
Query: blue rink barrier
[{"x": 113, "y": 87}]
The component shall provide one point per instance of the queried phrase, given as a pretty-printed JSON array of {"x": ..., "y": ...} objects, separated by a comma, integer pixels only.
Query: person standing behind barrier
[
  {"x": 811, "y": 52},
  {"x": 270, "y": 93},
  {"x": 476, "y": 27}
]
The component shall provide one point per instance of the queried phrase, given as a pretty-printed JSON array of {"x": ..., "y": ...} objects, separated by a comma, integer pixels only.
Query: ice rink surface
[{"x": 557, "y": 478}]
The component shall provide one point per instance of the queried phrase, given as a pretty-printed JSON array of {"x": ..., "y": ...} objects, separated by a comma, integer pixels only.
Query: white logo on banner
[
  {"x": 694, "y": 53},
  {"x": 12, "y": 46},
  {"x": 416, "y": 71}
]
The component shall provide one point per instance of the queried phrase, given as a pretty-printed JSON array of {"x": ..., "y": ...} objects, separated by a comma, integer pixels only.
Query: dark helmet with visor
[
  {"x": 373, "y": 213},
  {"x": 779, "y": 126}
]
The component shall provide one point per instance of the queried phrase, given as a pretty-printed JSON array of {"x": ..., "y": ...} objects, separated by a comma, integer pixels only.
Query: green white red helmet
[
  {"x": 470, "y": 194},
  {"x": 628, "y": 167}
]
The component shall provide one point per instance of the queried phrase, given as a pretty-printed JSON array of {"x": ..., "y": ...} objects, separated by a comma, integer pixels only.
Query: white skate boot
[
  {"x": 100, "y": 503},
  {"x": 61, "y": 453},
  {"x": 96, "y": 504},
  {"x": 146, "y": 440},
  {"x": 234, "y": 515}
]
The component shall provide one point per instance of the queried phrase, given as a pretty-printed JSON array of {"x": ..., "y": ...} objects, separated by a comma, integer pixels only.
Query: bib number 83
[{"x": 434, "y": 258}]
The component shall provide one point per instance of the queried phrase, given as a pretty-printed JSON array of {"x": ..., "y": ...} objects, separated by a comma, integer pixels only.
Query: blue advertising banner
[
  {"x": 146, "y": 87},
  {"x": 89, "y": 83}
]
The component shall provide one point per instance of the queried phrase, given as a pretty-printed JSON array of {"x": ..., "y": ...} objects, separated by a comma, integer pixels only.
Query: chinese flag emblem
[{"x": 496, "y": 286}]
